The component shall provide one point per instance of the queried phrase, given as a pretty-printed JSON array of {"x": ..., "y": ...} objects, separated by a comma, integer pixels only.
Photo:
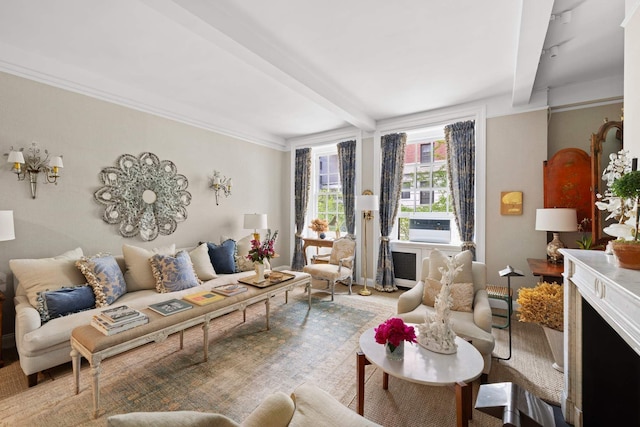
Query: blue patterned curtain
[
  {"x": 461, "y": 148},
  {"x": 347, "y": 167},
  {"x": 302, "y": 180},
  {"x": 393, "y": 146}
]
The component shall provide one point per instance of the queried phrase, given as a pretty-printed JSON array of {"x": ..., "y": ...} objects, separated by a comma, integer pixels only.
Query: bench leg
[
  {"x": 95, "y": 374},
  {"x": 75, "y": 363},
  {"x": 267, "y": 304},
  {"x": 205, "y": 339},
  {"x": 182, "y": 339}
]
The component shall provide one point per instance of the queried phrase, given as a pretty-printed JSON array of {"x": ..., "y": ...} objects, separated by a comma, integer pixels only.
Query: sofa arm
[
  {"x": 276, "y": 410},
  {"x": 170, "y": 419},
  {"x": 411, "y": 299},
  {"x": 27, "y": 318},
  {"x": 482, "y": 315}
]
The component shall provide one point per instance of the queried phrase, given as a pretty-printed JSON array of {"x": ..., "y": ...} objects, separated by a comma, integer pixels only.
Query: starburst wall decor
[{"x": 144, "y": 195}]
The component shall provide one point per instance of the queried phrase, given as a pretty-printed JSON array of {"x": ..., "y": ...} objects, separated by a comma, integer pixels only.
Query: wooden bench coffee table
[
  {"x": 424, "y": 367},
  {"x": 87, "y": 341}
]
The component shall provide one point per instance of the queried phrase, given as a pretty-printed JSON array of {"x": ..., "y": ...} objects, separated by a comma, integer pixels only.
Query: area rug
[{"x": 247, "y": 363}]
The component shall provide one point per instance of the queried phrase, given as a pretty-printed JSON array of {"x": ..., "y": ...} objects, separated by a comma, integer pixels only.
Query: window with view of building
[
  {"x": 326, "y": 197},
  {"x": 425, "y": 186}
]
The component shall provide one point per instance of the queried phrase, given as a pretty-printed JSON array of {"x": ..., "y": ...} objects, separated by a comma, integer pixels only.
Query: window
[
  {"x": 425, "y": 185},
  {"x": 326, "y": 193}
]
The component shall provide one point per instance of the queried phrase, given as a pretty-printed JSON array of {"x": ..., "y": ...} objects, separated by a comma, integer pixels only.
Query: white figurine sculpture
[{"x": 436, "y": 333}]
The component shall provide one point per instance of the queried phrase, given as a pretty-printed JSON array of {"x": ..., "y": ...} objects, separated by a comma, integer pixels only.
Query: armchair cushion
[
  {"x": 461, "y": 295},
  {"x": 327, "y": 271},
  {"x": 437, "y": 260},
  {"x": 342, "y": 249}
]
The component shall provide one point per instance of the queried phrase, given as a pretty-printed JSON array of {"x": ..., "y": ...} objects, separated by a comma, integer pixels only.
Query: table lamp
[
  {"x": 367, "y": 203},
  {"x": 6, "y": 226},
  {"x": 556, "y": 220},
  {"x": 256, "y": 222}
]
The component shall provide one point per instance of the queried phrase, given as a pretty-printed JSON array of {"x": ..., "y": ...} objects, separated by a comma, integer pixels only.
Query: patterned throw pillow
[
  {"x": 64, "y": 301},
  {"x": 437, "y": 260},
  {"x": 242, "y": 250},
  {"x": 461, "y": 294},
  {"x": 173, "y": 273},
  {"x": 105, "y": 277},
  {"x": 223, "y": 256}
]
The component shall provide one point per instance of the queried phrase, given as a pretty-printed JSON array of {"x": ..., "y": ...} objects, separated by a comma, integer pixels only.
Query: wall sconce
[
  {"x": 218, "y": 184},
  {"x": 34, "y": 163}
]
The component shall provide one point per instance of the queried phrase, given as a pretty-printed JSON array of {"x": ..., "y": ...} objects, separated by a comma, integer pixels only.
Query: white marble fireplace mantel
[{"x": 614, "y": 293}]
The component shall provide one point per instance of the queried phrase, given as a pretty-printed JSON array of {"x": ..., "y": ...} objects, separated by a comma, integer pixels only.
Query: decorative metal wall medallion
[{"x": 144, "y": 195}]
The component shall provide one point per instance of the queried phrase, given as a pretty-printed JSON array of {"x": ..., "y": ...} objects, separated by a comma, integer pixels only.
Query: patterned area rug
[{"x": 247, "y": 363}]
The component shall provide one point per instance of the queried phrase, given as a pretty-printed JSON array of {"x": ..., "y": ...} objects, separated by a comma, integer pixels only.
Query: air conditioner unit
[{"x": 430, "y": 230}]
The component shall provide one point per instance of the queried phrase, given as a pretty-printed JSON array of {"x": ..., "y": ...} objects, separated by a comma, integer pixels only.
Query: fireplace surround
[{"x": 602, "y": 340}]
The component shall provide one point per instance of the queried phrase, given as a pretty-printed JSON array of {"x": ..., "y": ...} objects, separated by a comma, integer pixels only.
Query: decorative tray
[{"x": 279, "y": 277}]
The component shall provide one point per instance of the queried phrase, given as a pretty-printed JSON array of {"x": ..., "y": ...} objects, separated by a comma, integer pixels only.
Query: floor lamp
[{"x": 367, "y": 203}]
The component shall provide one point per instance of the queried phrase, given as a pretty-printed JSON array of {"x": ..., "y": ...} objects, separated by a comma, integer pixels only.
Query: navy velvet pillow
[
  {"x": 222, "y": 256},
  {"x": 58, "y": 303}
]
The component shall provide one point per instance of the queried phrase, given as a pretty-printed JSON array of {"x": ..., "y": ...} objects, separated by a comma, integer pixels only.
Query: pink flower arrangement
[
  {"x": 261, "y": 250},
  {"x": 394, "y": 331}
]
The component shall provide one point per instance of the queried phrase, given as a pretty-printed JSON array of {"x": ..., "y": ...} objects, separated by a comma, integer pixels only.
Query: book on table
[
  {"x": 169, "y": 307},
  {"x": 118, "y": 314},
  {"x": 229, "y": 290},
  {"x": 202, "y": 298},
  {"x": 109, "y": 328}
]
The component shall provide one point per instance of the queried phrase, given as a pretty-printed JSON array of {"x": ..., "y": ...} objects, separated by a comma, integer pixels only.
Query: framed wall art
[{"x": 511, "y": 203}]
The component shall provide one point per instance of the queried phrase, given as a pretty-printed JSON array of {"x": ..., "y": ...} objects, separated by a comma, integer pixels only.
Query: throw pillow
[
  {"x": 242, "y": 250},
  {"x": 39, "y": 275},
  {"x": 138, "y": 274},
  {"x": 173, "y": 273},
  {"x": 105, "y": 277},
  {"x": 202, "y": 263},
  {"x": 223, "y": 256},
  {"x": 461, "y": 294},
  {"x": 64, "y": 301},
  {"x": 437, "y": 260}
]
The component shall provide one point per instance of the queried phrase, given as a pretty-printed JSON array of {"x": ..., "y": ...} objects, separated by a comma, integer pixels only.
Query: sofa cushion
[
  {"x": 202, "y": 263},
  {"x": 64, "y": 301},
  {"x": 173, "y": 273},
  {"x": 223, "y": 256},
  {"x": 461, "y": 294},
  {"x": 242, "y": 250},
  {"x": 438, "y": 260},
  {"x": 105, "y": 277},
  {"x": 170, "y": 419},
  {"x": 39, "y": 275},
  {"x": 315, "y": 407},
  {"x": 138, "y": 274}
]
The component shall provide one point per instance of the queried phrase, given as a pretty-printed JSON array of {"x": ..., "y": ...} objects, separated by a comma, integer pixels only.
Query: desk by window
[
  {"x": 547, "y": 271},
  {"x": 318, "y": 243}
]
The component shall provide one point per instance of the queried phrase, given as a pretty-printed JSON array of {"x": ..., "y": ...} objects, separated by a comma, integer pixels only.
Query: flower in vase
[
  {"x": 261, "y": 250},
  {"x": 393, "y": 331}
]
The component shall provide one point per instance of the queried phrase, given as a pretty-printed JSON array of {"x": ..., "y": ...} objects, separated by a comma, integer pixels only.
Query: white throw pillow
[
  {"x": 242, "y": 250},
  {"x": 138, "y": 274},
  {"x": 39, "y": 275},
  {"x": 202, "y": 263},
  {"x": 437, "y": 260}
]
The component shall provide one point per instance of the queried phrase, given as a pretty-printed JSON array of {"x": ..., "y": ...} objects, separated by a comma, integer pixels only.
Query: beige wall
[
  {"x": 91, "y": 134},
  {"x": 632, "y": 82},
  {"x": 516, "y": 148}
]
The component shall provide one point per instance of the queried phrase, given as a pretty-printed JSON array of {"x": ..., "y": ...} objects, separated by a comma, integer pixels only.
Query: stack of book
[{"x": 118, "y": 319}]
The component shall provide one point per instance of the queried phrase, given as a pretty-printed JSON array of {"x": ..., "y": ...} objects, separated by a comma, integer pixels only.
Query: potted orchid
[{"x": 393, "y": 333}]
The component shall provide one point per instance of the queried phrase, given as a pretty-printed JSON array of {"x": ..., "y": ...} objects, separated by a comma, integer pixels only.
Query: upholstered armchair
[
  {"x": 334, "y": 267},
  {"x": 473, "y": 325}
]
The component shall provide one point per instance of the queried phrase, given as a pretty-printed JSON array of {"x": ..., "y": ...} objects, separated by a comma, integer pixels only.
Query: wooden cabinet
[{"x": 567, "y": 182}]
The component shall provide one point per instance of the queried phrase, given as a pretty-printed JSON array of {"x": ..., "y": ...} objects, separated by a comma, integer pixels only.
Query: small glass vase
[{"x": 397, "y": 353}]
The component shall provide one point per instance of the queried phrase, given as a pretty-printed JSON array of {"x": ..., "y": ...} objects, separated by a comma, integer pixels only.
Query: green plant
[{"x": 628, "y": 187}]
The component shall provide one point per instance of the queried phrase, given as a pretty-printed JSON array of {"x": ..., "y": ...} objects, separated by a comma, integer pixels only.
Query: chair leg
[
  {"x": 333, "y": 287},
  {"x": 350, "y": 283}
]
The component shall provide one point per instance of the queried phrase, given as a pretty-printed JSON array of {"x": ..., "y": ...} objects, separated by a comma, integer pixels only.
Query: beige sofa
[
  {"x": 43, "y": 345},
  {"x": 308, "y": 406},
  {"x": 474, "y": 326}
]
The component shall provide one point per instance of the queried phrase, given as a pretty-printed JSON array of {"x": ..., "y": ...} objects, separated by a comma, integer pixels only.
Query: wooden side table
[
  {"x": 318, "y": 243},
  {"x": 547, "y": 271},
  {"x": 2, "y": 298}
]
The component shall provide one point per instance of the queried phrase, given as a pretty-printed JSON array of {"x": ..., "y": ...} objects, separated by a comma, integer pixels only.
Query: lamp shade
[
  {"x": 56, "y": 162},
  {"x": 15, "y": 157},
  {"x": 6, "y": 226},
  {"x": 255, "y": 221},
  {"x": 367, "y": 202},
  {"x": 556, "y": 219}
]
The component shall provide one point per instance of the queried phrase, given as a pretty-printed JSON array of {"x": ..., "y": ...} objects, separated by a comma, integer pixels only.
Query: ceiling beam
[
  {"x": 534, "y": 22},
  {"x": 217, "y": 22}
]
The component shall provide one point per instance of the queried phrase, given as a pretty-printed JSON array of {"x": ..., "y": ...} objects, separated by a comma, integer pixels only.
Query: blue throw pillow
[
  {"x": 58, "y": 303},
  {"x": 173, "y": 273},
  {"x": 105, "y": 277},
  {"x": 223, "y": 256}
]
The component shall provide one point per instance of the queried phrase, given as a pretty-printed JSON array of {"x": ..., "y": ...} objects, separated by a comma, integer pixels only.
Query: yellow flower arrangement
[
  {"x": 319, "y": 225},
  {"x": 543, "y": 304}
]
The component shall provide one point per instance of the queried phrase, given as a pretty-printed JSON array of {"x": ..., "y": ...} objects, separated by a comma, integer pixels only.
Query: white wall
[
  {"x": 631, "y": 78},
  {"x": 91, "y": 134}
]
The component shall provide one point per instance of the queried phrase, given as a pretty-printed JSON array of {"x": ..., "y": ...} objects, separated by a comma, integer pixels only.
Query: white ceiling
[{"x": 268, "y": 71}]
